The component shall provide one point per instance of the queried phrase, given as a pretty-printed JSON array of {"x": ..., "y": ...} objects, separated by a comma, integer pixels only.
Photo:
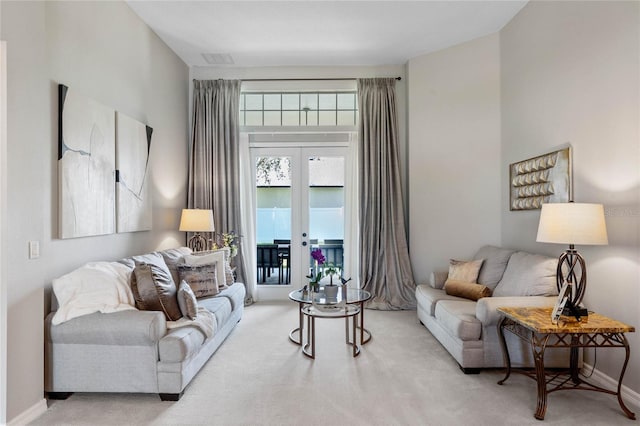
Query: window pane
[
  {"x": 272, "y": 102},
  {"x": 290, "y": 118},
  {"x": 309, "y": 118},
  {"x": 272, "y": 118},
  {"x": 346, "y": 100},
  {"x": 327, "y": 101},
  {"x": 241, "y": 118},
  {"x": 242, "y": 101},
  {"x": 253, "y": 102},
  {"x": 291, "y": 101},
  {"x": 346, "y": 118},
  {"x": 253, "y": 118},
  {"x": 309, "y": 100},
  {"x": 327, "y": 118}
]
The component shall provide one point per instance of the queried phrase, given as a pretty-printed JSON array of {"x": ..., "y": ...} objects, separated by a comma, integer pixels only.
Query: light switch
[{"x": 34, "y": 249}]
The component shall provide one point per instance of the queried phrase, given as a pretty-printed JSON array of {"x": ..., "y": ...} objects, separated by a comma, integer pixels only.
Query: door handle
[
  {"x": 304, "y": 234},
  {"x": 304, "y": 243}
]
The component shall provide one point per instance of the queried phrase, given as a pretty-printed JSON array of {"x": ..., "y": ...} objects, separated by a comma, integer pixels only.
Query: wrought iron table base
[
  {"x": 561, "y": 380},
  {"x": 365, "y": 335}
]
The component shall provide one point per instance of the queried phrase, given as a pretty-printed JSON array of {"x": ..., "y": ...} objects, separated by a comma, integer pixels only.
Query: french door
[{"x": 301, "y": 205}]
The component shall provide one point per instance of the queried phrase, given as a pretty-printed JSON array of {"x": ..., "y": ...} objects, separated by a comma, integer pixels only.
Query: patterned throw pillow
[
  {"x": 187, "y": 301},
  {"x": 154, "y": 290},
  {"x": 228, "y": 274},
  {"x": 467, "y": 271},
  {"x": 201, "y": 278},
  {"x": 216, "y": 257}
]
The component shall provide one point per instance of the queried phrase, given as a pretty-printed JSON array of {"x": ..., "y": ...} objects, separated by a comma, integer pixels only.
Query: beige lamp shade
[
  {"x": 572, "y": 223},
  {"x": 196, "y": 220}
]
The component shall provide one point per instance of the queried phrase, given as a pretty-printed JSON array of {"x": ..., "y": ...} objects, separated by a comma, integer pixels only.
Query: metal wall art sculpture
[{"x": 543, "y": 179}]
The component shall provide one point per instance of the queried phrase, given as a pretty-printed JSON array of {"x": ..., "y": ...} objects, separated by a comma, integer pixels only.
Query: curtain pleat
[
  {"x": 214, "y": 165},
  {"x": 385, "y": 268}
]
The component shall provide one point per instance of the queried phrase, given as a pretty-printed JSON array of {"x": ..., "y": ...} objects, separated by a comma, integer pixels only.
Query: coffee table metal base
[{"x": 348, "y": 312}]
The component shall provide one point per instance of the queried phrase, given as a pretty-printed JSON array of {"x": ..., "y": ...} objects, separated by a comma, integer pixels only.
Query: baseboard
[
  {"x": 629, "y": 396},
  {"x": 30, "y": 414}
]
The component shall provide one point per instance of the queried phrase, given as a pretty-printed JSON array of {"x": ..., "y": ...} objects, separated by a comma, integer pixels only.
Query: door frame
[
  {"x": 3, "y": 228},
  {"x": 274, "y": 145}
]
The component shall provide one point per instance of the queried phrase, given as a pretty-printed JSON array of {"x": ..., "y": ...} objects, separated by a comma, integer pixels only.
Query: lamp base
[
  {"x": 197, "y": 243},
  {"x": 578, "y": 312}
]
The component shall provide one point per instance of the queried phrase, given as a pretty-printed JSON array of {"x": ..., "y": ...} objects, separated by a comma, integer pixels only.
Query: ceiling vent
[{"x": 218, "y": 58}]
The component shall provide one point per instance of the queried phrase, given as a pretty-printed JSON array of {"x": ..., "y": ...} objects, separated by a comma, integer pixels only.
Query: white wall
[
  {"x": 454, "y": 153},
  {"x": 570, "y": 73},
  {"x": 104, "y": 51}
]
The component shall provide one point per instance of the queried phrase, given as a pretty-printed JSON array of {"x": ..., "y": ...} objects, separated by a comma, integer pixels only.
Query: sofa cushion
[
  {"x": 467, "y": 290},
  {"x": 235, "y": 293},
  {"x": 464, "y": 270},
  {"x": 528, "y": 275},
  {"x": 187, "y": 301},
  {"x": 218, "y": 306},
  {"x": 201, "y": 278},
  {"x": 427, "y": 297},
  {"x": 180, "y": 344},
  {"x": 154, "y": 290},
  {"x": 173, "y": 257},
  {"x": 495, "y": 262},
  {"x": 459, "y": 319}
]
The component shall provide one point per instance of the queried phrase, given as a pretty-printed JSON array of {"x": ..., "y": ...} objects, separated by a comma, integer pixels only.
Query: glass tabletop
[{"x": 354, "y": 295}]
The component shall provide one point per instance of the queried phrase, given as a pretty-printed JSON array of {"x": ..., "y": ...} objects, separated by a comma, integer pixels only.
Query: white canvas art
[
  {"x": 132, "y": 176},
  {"x": 86, "y": 166}
]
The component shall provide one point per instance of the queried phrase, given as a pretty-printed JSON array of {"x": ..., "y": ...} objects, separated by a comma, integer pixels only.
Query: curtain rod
[{"x": 301, "y": 79}]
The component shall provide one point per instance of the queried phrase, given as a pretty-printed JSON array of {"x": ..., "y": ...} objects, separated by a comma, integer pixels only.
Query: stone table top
[{"x": 538, "y": 320}]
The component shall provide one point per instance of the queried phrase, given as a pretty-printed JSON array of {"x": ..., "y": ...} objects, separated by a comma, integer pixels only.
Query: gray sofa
[
  {"x": 468, "y": 329},
  {"x": 132, "y": 350}
]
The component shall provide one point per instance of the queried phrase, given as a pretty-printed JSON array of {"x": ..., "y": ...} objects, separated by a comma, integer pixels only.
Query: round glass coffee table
[{"x": 353, "y": 296}]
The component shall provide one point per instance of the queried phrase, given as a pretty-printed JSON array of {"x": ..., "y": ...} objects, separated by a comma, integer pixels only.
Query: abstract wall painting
[
  {"x": 133, "y": 198},
  {"x": 543, "y": 179},
  {"x": 86, "y": 166}
]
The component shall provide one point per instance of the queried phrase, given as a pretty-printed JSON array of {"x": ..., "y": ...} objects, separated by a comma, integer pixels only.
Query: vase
[{"x": 331, "y": 292}]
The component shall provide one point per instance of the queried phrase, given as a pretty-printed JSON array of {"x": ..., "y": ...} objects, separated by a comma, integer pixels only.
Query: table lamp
[
  {"x": 197, "y": 220},
  {"x": 572, "y": 223}
]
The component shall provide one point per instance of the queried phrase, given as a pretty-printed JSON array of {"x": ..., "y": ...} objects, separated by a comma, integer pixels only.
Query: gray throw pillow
[
  {"x": 187, "y": 301},
  {"x": 528, "y": 274},
  {"x": 201, "y": 278},
  {"x": 154, "y": 290},
  {"x": 495, "y": 262}
]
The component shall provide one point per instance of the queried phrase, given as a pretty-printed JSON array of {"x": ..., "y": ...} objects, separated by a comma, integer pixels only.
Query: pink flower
[{"x": 317, "y": 255}]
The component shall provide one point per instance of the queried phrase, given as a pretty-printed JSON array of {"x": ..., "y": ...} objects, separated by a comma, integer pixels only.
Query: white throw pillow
[{"x": 94, "y": 287}]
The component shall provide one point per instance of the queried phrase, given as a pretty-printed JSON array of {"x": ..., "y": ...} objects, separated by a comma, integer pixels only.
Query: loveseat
[
  {"x": 468, "y": 328},
  {"x": 109, "y": 345}
]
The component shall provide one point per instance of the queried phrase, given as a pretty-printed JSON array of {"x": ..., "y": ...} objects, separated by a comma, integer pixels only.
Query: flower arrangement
[
  {"x": 228, "y": 239},
  {"x": 321, "y": 271}
]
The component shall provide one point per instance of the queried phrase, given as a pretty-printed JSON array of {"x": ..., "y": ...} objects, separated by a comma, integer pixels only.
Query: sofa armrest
[
  {"x": 438, "y": 278},
  {"x": 127, "y": 328},
  {"x": 486, "y": 308}
]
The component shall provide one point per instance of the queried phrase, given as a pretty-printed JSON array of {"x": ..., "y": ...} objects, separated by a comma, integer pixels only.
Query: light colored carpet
[{"x": 402, "y": 377}]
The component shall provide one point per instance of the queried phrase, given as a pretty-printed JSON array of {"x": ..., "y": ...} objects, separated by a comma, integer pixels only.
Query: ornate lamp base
[{"x": 197, "y": 243}]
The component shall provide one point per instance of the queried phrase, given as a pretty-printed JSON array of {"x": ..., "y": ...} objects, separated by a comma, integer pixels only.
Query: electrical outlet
[{"x": 34, "y": 249}]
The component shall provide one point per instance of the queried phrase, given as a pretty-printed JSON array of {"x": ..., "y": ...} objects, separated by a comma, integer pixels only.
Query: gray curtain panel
[
  {"x": 385, "y": 268},
  {"x": 214, "y": 163}
]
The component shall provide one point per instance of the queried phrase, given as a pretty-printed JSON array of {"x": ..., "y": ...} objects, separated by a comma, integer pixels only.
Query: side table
[{"x": 534, "y": 326}]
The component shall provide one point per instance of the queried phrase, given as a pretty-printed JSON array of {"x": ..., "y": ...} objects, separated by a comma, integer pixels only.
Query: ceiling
[{"x": 318, "y": 33}]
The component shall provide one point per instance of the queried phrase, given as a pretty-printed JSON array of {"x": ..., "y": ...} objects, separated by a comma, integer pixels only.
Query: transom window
[{"x": 298, "y": 108}]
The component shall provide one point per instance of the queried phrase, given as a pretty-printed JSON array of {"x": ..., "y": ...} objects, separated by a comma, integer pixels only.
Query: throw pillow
[
  {"x": 187, "y": 301},
  {"x": 208, "y": 258},
  {"x": 154, "y": 290},
  {"x": 173, "y": 257},
  {"x": 467, "y": 290},
  {"x": 528, "y": 274},
  {"x": 495, "y": 262},
  {"x": 201, "y": 278},
  {"x": 228, "y": 274},
  {"x": 467, "y": 271}
]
